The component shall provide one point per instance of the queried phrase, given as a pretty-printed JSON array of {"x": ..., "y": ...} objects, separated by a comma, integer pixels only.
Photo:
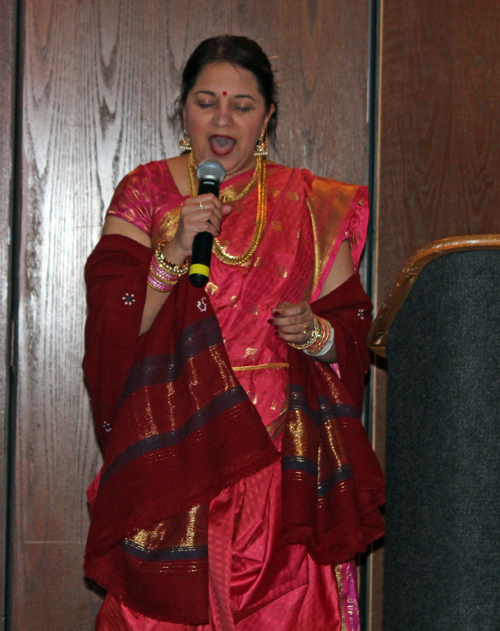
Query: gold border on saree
[{"x": 259, "y": 367}]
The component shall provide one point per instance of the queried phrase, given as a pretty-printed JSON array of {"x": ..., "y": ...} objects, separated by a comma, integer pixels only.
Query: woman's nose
[{"x": 223, "y": 115}]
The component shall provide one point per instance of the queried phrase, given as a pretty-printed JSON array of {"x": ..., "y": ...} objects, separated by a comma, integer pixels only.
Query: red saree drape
[{"x": 177, "y": 427}]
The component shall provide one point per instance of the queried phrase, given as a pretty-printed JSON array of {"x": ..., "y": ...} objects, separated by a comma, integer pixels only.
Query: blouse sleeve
[
  {"x": 338, "y": 212},
  {"x": 132, "y": 200},
  {"x": 358, "y": 226}
]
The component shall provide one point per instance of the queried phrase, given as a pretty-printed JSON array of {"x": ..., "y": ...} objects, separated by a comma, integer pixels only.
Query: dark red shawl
[
  {"x": 176, "y": 428},
  {"x": 332, "y": 483}
]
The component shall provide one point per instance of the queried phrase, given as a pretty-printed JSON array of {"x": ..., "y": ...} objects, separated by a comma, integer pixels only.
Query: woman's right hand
[{"x": 198, "y": 214}]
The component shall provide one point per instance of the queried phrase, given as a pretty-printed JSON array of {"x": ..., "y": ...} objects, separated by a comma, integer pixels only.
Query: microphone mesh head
[{"x": 211, "y": 170}]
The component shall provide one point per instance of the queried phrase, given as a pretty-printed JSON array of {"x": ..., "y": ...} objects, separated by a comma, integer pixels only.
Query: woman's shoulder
[
  {"x": 145, "y": 177},
  {"x": 310, "y": 179},
  {"x": 151, "y": 178},
  {"x": 317, "y": 189},
  {"x": 317, "y": 182},
  {"x": 149, "y": 172},
  {"x": 142, "y": 192},
  {"x": 327, "y": 195}
]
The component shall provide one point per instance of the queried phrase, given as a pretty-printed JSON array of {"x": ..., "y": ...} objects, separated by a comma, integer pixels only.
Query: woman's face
[{"x": 224, "y": 115}]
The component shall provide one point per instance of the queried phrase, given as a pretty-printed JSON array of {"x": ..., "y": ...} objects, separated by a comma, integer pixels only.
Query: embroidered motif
[
  {"x": 128, "y": 299},
  {"x": 250, "y": 353},
  {"x": 202, "y": 304},
  {"x": 361, "y": 314},
  {"x": 211, "y": 287},
  {"x": 107, "y": 427}
]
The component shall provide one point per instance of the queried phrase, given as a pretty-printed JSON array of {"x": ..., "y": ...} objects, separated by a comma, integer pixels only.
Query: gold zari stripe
[
  {"x": 340, "y": 587},
  {"x": 258, "y": 367}
]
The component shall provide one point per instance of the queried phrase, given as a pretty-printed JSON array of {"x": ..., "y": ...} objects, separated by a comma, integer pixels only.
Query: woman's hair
[{"x": 238, "y": 51}]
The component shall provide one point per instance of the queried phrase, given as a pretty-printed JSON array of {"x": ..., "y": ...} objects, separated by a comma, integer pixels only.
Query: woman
[{"x": 237, "y": 483}]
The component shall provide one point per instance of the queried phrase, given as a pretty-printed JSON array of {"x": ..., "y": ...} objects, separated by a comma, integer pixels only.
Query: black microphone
[{"x": 210, "y": 175}]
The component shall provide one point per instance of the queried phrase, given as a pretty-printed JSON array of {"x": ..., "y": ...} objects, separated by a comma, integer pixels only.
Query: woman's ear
[{"x": 268, "y": 116}]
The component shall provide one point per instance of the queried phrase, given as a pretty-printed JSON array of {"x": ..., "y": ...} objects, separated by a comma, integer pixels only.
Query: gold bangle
[
  {"x": 177, "y": 270},
  {"x": 314, "y": 336},
  {"x": 323, "y": 337}
]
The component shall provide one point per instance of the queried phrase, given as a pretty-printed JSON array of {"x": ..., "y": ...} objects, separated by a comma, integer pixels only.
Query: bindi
[{"x": 224, "y": 93}]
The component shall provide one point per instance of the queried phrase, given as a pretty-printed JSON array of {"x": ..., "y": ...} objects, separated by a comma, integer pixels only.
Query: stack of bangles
[
  {"x": 321, "y": 340},
  {"x": 164, "y": 275}
]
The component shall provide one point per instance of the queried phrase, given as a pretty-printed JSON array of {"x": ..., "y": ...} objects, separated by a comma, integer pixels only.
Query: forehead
[{"x": 224, "y": 77}]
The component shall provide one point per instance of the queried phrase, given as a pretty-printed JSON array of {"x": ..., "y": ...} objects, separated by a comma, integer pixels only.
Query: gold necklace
[
  {"x": 260, "y": 221},
  {"x": 226, "y": 197}
]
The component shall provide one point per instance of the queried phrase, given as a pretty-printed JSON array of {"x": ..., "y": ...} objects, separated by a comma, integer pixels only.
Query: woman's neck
[
  {"x": 178, "y": 167},
  {"x": 179, "y": 170}
]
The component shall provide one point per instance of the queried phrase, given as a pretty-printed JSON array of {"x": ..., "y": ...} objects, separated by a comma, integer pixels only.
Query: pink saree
[{"x": 255, "y": 582}]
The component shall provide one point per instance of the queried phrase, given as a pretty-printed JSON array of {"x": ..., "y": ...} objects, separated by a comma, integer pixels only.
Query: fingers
[
  {"x": 205, "y": 208},
  {"x": 289, "y": 309},
  {"x": 293, "y": 322},
  {"x": 199, "y": 214}
]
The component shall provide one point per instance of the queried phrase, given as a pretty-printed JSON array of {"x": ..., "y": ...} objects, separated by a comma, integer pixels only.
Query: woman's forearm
[
  {"x": 330, "y": 357},
  {"x": 154, "y": 302},
  {"x": 156, "y": 299}
]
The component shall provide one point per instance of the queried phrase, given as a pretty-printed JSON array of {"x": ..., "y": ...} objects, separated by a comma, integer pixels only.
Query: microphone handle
[{"x": 199, "y": 270}]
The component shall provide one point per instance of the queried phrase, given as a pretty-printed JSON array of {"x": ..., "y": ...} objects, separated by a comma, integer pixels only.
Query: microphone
[{"x": 210, "y": 175}]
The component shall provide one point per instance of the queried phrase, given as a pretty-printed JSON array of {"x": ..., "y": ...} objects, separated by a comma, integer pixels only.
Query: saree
[{"x": 255, "y": 580}]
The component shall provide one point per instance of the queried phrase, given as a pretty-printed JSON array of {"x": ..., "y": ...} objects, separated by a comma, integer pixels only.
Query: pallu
[{"x": 195, "y": 521}]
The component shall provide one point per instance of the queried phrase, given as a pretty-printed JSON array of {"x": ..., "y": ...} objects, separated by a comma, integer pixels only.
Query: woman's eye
[
  {"x": 205, "y": 105},
  {"x": 242, "y": 108}
]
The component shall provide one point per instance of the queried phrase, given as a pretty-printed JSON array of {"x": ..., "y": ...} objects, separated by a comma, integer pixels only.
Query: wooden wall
[
  {"x": 439, "y": 129},
  {"x": 7, "y": 101},
  {"x": 438, "y": 138},
  {"x": 99, "y": 79}
]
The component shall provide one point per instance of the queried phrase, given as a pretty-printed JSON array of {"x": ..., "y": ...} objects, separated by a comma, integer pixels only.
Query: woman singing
[{"x": 238, "y": 483}]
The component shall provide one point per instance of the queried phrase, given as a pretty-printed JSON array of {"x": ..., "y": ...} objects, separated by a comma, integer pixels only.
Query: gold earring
[
  {"x": 261, "y": 146},
  {"x": 185, "y": 142}
]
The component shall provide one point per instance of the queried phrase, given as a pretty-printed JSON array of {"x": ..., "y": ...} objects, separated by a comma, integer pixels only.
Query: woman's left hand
[{"x": 293, "y": 322}]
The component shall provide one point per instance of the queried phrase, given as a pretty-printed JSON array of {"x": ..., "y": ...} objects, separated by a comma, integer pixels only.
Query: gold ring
[
  {"x": 201, "y": 205},
  {"x": 304, "y": 329}
]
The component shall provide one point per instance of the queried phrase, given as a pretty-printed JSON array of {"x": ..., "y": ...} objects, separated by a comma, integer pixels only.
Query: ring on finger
[
  {"x": 201, "y": 205},
  {"x": 304, "y": 328}
]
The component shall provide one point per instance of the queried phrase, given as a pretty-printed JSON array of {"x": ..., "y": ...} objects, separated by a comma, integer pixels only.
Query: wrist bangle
[
  {"x": 159, "y": 286},
  {"x": 326, "y": 345},
  {"x": 314, "y": 337},
  {"x": 176, "y": 270},
  {"x": 323, "y": 337},
  {"x": 164, "y": 275}
]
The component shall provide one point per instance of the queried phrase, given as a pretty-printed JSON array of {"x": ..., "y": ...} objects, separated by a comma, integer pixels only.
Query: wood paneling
[
  {"x": 7, "y": 83},
  {"x": 438, "y": 137},
  {"x": 100, "y": 79},
  {"x": 439, "y": 126}
]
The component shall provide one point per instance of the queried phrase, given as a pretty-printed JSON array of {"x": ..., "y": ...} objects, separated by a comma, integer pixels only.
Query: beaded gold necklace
[{"x": 260, "y": 222}]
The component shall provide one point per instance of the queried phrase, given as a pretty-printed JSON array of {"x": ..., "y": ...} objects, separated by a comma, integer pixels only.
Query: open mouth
[{"x": 221, "y": 145}]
